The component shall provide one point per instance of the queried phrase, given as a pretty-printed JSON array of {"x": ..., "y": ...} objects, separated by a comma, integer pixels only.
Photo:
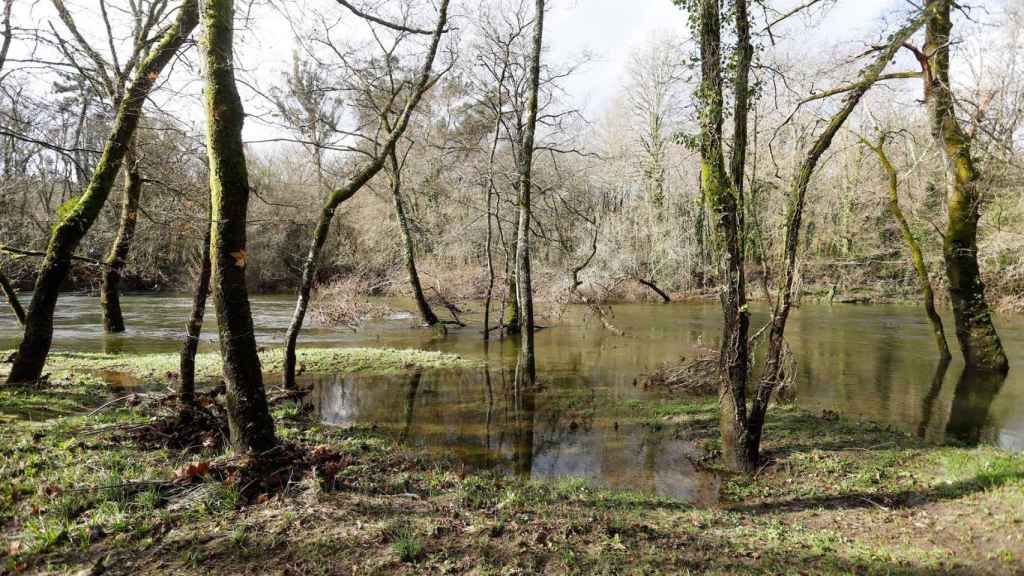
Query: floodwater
[{"x": 871, "y": 362}]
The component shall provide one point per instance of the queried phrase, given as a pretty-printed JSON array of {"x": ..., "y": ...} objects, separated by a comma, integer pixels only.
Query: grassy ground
[
  {"x": 159, "y": 367},
  {"x": 838, "y": 497}
]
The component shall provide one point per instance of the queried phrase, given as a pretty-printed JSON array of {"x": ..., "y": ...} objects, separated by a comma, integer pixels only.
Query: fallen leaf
[{"x": 193, "y": 470}]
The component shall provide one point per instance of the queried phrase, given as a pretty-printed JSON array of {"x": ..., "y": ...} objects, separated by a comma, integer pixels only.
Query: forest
[{"x": 512, "y": 287}]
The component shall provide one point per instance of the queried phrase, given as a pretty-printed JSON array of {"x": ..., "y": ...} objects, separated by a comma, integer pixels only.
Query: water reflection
[
  {"x": 931, "y": 398},
  {"x": 970, "y": 419},
  {"x": 570, "y": 427}
]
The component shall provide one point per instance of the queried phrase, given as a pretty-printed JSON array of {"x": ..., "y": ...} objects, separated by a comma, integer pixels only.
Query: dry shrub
[
  {"x": 343, "y": 303},
  {"x": 698, "y": 375},
  {"x": 456, "y": 285}
]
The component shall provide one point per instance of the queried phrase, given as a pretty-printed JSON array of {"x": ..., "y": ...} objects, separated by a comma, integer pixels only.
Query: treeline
[{"x": 626, "y": 181}]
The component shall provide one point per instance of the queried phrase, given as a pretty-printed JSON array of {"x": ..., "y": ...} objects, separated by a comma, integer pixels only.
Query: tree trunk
[
  {"x": 408, "y": 249},
  {"x": 915, "y": 249},
  {"x": 194, "y": 328},
  {"x": 492, "y": 217},
  {"x": 361, "y": 177},
  {"x": 969, "y": 416},
  {"x": 774, "y": 371},
  {"x": 68, "y": 233},
  {"x": 110, "y": 291},
  {"x": 722, "y": 196},
  {"x": 249, "y": 422},
  {"x": 978, "y": 338},
  {"x": 654, "y": 287},
  {"x": 524, "y": 281},
  {"x": 12, "y": 298}
]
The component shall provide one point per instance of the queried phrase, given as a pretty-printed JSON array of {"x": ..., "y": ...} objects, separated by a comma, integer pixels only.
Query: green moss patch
[{"x": 158, "y": 367}]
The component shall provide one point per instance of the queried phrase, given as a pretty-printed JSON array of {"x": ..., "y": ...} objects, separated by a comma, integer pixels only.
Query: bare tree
[
  {"x": 73, "y": 226},
  {"x": 524, "y": 281},
  {"x": 385, "y": 142}
]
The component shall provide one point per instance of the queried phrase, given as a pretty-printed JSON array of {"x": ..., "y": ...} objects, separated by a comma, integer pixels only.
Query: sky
[{"x": 609, "y": 30}]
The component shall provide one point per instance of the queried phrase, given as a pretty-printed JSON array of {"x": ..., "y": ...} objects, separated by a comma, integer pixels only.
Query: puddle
[{"x": 568, "y": 429}]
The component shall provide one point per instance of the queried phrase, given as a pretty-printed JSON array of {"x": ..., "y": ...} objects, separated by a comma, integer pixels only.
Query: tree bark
[
  {"x": 524, "y": 281},
  {"x": 774, "y": 371},
  {"x": 68, "y": 233},
  {"x": 358, "y": 180},
  {"x": 12, "y": 298},
  {"x": 408, "y": 249},
  {"x": 249, "y": 422},
  {"x": 915, "y": 249},
  {"x": 978, "y": 338},
  {"x": 723, "y": 198},
  {"x": 194, "y": 328},
  {"x": 110, "y": 291}
]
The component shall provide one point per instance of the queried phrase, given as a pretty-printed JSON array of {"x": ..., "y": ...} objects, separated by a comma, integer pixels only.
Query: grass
[
  {"x": 158, "y": 367},
  {"x": 839, "y": 497}
]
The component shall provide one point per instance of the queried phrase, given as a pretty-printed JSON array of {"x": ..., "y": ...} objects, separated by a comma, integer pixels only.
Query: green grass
[
  {"x": 158, "y": 367},
  {"x": 841, "y": 497}
]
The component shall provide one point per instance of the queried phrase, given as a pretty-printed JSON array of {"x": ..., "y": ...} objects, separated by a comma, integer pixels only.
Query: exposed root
[
  {"x": 276, "y": 471},
  {"x": 202, "y": 426}
]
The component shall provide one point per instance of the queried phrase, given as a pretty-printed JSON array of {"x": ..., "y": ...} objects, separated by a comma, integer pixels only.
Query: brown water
[{"x": 870, "y": 362}]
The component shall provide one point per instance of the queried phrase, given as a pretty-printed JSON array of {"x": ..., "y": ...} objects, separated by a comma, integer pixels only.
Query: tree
[
  {"x": 110, "y": 80},
  {"x": 774, "y": 370},
  {"x": 655, "y": 100},
  {"x": 194, "y": 328},
  {"x": 524, "y": 282},
  {"x": 978, "y": 338},
  {"x": 408, "y": 247},
  {"x": 81, "y": 213},
  {"x": 249, "y": 421},
  {"x": 724, "y": 193},
  {"x": 920, "y": 267},
  {"x": 360, "y": 176},
  {"x": 12, "y": 298}
]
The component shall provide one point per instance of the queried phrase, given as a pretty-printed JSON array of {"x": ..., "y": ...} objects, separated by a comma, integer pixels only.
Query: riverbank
[{"x": 837, "y": 497}]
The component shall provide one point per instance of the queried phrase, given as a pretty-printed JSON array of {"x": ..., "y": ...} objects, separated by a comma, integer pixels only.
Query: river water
[{"x": 869, "y": 362}]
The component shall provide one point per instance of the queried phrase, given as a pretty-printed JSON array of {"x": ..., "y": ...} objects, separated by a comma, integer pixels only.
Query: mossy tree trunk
[
  {"x": 920, "y": 267},
  {"x": 524, "y": 280},
  {"x": 251, "y": 427},
  {"x": 774, "y": 371},
  {"x": 363, "y": 175},
  {"x": 975, "y": 331},
  {"x": 723, "y": 197},
  {"x": 408, "y": 248},
  {"x": 194, "y": 328},
  {"x": 12, "y": 298},
  {"x": 110, "y": 291},
  {"x": 69, "y": 231}
]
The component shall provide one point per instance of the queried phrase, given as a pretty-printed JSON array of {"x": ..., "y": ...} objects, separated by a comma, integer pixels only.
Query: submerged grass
[
  {"x": 159, "y": 367},
  {"x": 838, "y": 497}
]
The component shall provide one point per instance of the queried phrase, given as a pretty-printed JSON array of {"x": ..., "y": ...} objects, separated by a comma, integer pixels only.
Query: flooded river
[{"x": 870, "y": 362}]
